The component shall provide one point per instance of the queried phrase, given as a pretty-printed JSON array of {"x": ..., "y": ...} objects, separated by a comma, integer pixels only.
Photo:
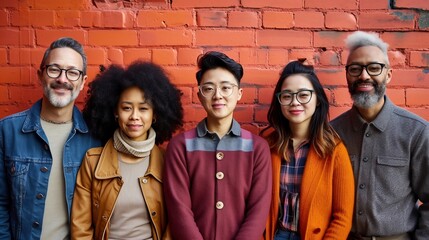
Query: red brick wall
[{"x": 263, "y": 35}]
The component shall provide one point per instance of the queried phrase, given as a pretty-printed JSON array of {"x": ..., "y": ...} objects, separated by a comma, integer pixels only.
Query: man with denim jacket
[
  {"x": 41, "y": 150},
  {"x": 388, "y": 147}
]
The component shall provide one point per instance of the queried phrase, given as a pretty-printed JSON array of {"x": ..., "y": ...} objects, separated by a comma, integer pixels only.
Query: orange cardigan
[{"x": 326, "y": 198}]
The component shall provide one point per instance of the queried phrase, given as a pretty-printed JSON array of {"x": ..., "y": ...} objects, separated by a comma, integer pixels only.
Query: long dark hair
[
  {"x": 322, "y": 136},
  {"x": 104, "y": 93}
]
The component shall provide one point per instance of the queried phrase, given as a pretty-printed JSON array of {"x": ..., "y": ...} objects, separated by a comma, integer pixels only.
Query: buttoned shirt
[
  {"x": 217, "y": 188},
  {"x": 390, "y": 159}
]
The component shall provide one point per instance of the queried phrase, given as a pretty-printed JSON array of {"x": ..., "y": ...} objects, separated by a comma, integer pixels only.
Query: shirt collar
[
  {"x": 203, "y": 131},
  {"x": 382, "y": 119}
]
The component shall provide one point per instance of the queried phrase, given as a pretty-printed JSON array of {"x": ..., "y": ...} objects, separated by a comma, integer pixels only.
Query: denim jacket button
[
  {"x": 39, "y": 196},
  {"x": 36, "y": 224},
  {"x": 44, "y": 169}
]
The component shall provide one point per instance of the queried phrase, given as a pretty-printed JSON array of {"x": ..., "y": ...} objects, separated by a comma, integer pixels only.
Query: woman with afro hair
[{"x": 118, "y": 191}]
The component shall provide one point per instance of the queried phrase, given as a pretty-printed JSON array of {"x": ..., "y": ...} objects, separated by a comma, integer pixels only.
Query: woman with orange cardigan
[{"x": 313, "y": 185}]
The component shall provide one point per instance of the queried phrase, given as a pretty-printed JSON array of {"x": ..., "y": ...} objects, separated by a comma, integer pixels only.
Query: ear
[
  {"x": 200, "y": 97},
  {"x": 389, "y": 75},
  {"x": 83, "y": 82},
  {"x": 240, "y": 94}
]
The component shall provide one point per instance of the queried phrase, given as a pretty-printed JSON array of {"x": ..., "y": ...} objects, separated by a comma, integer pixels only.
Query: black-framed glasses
[
  {"x": 54, "y": 71},
  {"x": 225, "y": 89},
  {"x": 373, "y": 69},
  {"x": 302, "y": 96}
]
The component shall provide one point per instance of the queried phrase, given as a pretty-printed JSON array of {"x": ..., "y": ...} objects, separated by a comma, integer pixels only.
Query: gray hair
[
  {"x": 361, "y": 39},
  {"x": 62, "y": 43}
]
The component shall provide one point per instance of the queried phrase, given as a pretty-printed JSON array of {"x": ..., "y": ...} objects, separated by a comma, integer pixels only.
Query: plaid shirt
[{"x": 290, "y": 184}]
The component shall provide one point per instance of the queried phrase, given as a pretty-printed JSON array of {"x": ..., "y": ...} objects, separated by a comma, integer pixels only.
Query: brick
[
  {"x": 46, "y": 37},
  {"x": 261, "y": 113},
  {"x": 4, "y": 94},
  {"x": 329, "y": 58},
  {"x": 331, "y": 4},
  {"x": 165, "y": 37},
  {"x": 188, "y": 56},
  {"x": 414, "y": 4},
  {"x": 418, "y": 78},
  {"x": 67, "y": 18},
  {"x": 340, "y": 21},
  {"x": 386, "y": 20},
  {"x": 10, "y": 37},
  {"x": 243, "y": 19},
  {"x": 260, "y": 76},
  {"x": 396, "y": 58},
  {"x": 109, "y": 37},
  {"x": 422, "y": 112},
  {"x": 372, "y": 5},
  {"x": 281, "y": 20},
  {"x": 308, "y": 54},
  {"x": 42, "y": 18},
  {"x": 419, "y": 59},
  {"x": 165, "y": 18},
  {"x": 204, "y": 3},
  {"x": 117, "y": 19},
  {"x": 3, "y": 56},
  {"x": 182, "y": 75},
  {"x": 249, "y": 95},
  {"x": 251, "y": 56},
  {"x": 164, "y": 56},
  {"x": 186, "y": 97},
  {"x": 396, "y": 95},
  {"x": 115, "y": 56},
  {"x": 417, "y": 97},
  {"x": 211, "y": 18},
  {"x": 92, "y": 71},
  {"x": 20, "y": 18},
  {"x": 37, "y": 56},
  {"x": 272, "y": 4},
  {"x": 283, "y": 38},
  {"x": 332, "y": 76},
  {"x": 326, "y": 39},
  {"x": 214, "y": 37},
  {"x": 96, "y": 56},
  {"x": 133, "y": 54},
  {"x": 423, "y": 20},
  {"x": 9, "y": 4},
  {"x": 341, "y": 96},
  {"x": 278, "y": 57},
  {"x": 244, "y": 114},
  {"x": 193, "y": 113},
  {"x": 4, "y": 18},
  {"x": 266, "y": 94},
  {"x": 309, "y": 19},
  {"x": 16, "y": 75},
  {"x": 20, "y": 56},
  {"x": 26, "y": 94},
  {"x": 90, "y": 19},
  {"x": 335, "y": 111},
  {"x": 62, "y": 5},
  {"x": 406, "y": 39}
]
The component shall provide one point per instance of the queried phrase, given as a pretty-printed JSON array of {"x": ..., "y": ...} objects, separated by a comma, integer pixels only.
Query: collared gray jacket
[{"x": 390, "y": 159}]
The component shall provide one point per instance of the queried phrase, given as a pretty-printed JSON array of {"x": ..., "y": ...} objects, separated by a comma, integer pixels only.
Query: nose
[
  {"x": 134, "y": 114},
  {"x": 217, "y": 94},
  {"x": 294, "y": 101},
  {"x": 62, "y": 77},
  {"x": 364, "y": 74}
]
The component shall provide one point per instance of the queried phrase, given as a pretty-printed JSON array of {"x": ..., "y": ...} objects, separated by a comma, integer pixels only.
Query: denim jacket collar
[{"x": 32, "y": 121}]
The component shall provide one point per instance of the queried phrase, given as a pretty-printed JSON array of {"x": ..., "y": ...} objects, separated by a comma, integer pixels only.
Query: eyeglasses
[
  {"x": 225, "y": 89},
  {"x": 55, "y": 72},
  {"x": 373, "y": 69},
  {"x": 302, "y": 96}
]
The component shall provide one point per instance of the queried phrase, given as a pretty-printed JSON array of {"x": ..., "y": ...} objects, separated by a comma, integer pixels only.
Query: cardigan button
[
  {"x": 219, "y": 205},
  {"x": 220, "y": 175},
  {"x": 317, "y": 230},
  {"x": 219, "y": 155}
]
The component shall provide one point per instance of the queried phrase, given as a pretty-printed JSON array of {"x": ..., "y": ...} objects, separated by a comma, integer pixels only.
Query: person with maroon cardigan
[{"x": 217, "y": 175}]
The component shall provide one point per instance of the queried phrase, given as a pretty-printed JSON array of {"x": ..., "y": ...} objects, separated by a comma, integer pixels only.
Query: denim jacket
[{"x": 25, "y": 163}]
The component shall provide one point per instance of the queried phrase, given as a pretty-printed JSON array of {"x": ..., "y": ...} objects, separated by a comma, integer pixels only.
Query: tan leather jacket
[{"x": 97, "y": 188}]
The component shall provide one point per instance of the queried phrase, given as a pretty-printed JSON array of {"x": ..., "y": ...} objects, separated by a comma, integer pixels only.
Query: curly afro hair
[{"x": 104, "y": 93}]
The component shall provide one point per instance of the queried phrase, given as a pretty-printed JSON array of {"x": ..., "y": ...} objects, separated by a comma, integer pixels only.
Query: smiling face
[
  {"x": 135, "y": 115},
  {"x": 217, "y": 106},
  {"x": 60, "y": 92},
  {"x": 298, "y": 114},
  {"x": 366, "y": 91}
]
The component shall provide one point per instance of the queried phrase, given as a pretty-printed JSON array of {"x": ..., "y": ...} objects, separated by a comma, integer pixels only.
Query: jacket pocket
[{"x": 392, "y": 180}]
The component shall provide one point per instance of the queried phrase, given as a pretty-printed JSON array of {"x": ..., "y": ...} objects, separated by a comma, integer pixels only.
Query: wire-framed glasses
[
  {"x": 302, "y": 96},
  {"x": 373, "y": 69},
  {"x": 225, "y": 89},
  {"x": 54, "y": 71}
]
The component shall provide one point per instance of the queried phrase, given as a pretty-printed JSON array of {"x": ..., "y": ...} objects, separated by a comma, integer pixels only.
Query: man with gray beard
[
  {"x": 41, "y": 150},
  {"x": 388, "y": 147}
]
